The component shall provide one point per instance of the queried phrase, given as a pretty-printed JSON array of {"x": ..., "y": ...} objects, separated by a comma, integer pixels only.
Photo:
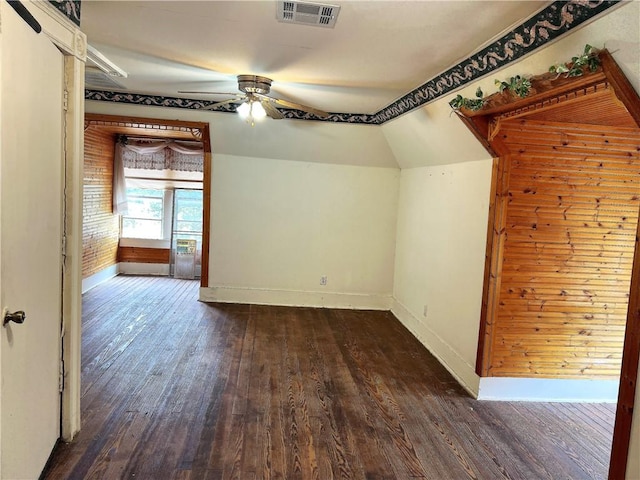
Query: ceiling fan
[{"x": 255, "y": 102}]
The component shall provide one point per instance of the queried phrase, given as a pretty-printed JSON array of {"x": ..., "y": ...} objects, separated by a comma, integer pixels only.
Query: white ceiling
[{"x": 377, "y": 52}]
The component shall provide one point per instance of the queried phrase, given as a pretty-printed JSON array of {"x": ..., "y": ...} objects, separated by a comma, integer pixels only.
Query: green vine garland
[
  {"x": 521, "y": 86},
  {"x": 588, "y": 58},
  {"x": 518, "y": 85},
  {"x": 468, "y": 103}
]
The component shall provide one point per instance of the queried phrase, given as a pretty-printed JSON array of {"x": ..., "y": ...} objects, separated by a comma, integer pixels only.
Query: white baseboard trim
[
  {"x": 460, "y": 369},
  {"x": 548, "y": 390},
  {"x": 99, "y": 277},
  {"x": 134, "y": 268},
  {"x": 263, "y": 296}
]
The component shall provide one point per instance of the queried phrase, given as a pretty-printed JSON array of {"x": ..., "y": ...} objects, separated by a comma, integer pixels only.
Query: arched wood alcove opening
[{"x": 561, "y": 293}]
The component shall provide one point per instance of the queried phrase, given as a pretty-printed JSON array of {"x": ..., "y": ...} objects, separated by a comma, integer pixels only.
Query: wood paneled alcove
[{"x": 562, "y": 267}]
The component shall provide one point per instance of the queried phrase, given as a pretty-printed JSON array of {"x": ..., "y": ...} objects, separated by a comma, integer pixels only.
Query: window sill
[{"x": 144, "y": 243}]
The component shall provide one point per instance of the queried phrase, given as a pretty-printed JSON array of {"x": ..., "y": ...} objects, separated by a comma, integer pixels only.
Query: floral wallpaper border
[
  {"x": 175, "y": 102},
  {"x": 550, "y": 23},
  {"x": 69, "y": 8}
]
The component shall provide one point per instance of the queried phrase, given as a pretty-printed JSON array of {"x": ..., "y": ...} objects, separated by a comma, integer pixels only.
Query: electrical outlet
[
  {"x": 323, "y": 280},
  {"x": 424, "y": 311}
]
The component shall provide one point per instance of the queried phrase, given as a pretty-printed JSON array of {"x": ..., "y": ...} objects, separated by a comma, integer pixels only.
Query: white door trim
[{"x": 73, "y": 44}]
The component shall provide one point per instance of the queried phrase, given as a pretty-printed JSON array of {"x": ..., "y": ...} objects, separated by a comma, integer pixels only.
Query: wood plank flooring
[{"x": 173, "y": 388}]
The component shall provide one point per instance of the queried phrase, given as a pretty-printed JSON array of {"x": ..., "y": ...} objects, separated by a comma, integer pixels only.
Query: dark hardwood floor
[{"x": 177, "y": 389}]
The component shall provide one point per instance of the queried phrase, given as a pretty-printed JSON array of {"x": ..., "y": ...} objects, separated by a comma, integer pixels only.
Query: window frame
[{"x": 167, "y": 214}]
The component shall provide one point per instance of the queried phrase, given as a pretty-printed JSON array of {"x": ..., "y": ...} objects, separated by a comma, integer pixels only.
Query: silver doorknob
[{"x": 17, "y": 317}]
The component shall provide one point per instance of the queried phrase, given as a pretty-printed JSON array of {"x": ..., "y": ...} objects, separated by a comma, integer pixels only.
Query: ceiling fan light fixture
[
  {"x": 251, "y": 111},
  {"x": 244, "y": 110},
  {"x": 256, "y": 104},
  {"x": 257, "y": 110}
]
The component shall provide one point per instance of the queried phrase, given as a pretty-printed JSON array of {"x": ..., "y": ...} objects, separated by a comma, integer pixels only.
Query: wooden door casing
[{"x": 177, "y": 129}]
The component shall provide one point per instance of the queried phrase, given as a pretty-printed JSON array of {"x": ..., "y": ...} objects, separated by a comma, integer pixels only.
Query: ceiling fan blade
[
  {"x": 298, "y": 106},
  {"x": 217, "y": 104},
  {"x": 211, "y": 93},
  {"x": 272, "y": 111}
]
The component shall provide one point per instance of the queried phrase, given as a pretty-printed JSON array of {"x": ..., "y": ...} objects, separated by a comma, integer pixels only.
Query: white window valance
[{"x": 162, "y": 155}]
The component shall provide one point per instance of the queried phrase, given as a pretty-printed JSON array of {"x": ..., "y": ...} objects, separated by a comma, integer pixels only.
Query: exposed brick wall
[{"x": 100, "y": 225}]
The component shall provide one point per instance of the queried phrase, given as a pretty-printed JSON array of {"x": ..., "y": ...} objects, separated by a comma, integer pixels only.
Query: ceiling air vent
[{"x": 303, "y": 13}]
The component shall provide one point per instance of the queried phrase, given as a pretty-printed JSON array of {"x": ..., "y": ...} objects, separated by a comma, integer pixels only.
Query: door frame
[
  {"x": 130, "y": 126},
  {"x": 72, "y": 43},
  {"x": 172, "y": 253},
  {"x": 178, "y": 129}
]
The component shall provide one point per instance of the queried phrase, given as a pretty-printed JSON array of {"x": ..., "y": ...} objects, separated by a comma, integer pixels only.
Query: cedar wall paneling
[
  {"x": 143, "y": 254},
  {"x": 571, "y": 217},
  {"x": 100, "y": 225}
]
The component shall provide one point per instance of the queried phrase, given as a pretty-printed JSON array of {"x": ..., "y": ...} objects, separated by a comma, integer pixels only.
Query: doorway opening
[
  {"x": 101, "y": 226},
  {"x": 186, "y": 234},
  {"x": 144, "y": 240}
]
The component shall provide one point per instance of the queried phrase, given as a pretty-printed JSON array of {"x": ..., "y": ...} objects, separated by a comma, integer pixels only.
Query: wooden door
[{"x": 31, "y": 206}]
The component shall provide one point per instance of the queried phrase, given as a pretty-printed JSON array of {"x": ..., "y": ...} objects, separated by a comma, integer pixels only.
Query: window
[
  {"x": 145, "y": 218},
  {"x": 152, "y": 214}
]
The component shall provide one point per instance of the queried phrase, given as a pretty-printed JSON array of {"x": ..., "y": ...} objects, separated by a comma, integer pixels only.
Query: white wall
[
  {"x": 432, "y": 135},
  {"x": 278, "y": 226},
  {"x": 311, "y": 199},
  {"x": 298, "y": 140},
  {"x": 441, "y": 238}
]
